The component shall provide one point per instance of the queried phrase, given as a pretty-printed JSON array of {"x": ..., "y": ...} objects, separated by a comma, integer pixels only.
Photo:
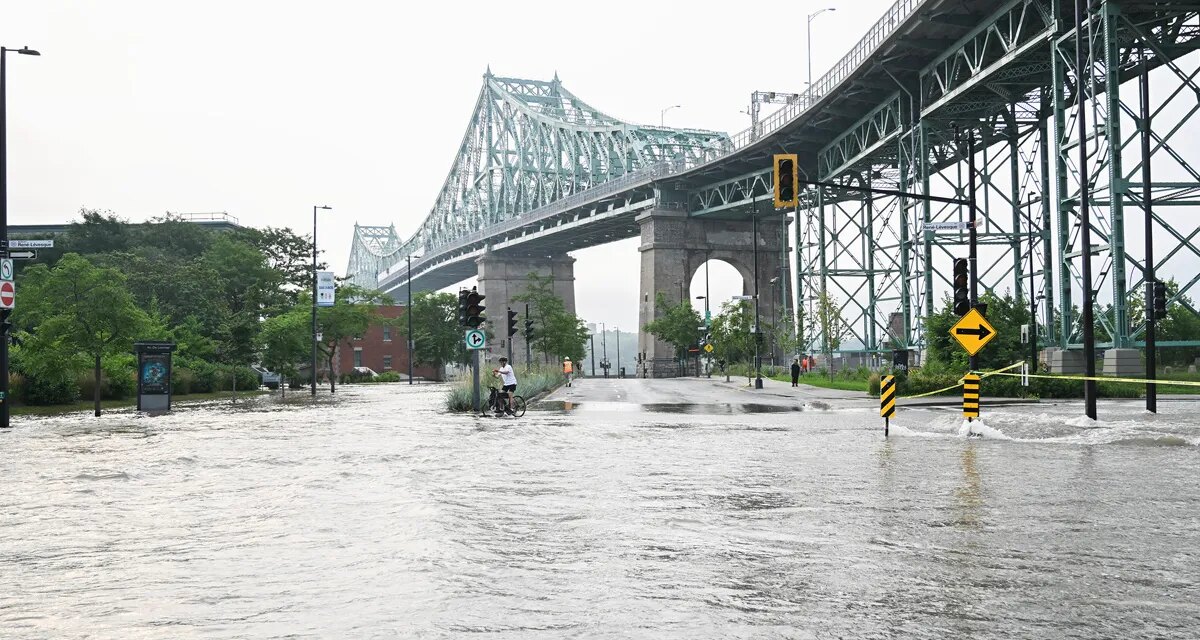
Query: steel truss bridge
[{"x": 540, "y": 171}]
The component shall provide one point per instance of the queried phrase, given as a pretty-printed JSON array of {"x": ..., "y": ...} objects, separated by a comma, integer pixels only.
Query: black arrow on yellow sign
[{"x": 982, "y": 332}]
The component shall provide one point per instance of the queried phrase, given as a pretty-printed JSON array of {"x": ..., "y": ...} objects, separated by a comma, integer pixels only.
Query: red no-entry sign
[{"x": 8, "y": 295}]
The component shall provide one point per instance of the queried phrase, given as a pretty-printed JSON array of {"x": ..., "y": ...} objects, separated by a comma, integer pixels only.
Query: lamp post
[
  {"x": 617, "y": 331},
  {"x": 604, "y": 348},
  {"x": 662, "y": 116},
  {"x": 314, "y": 301},
  {"x": 809, "y": 42},
  {"x": 408, "y": 312},
  {"x": 5, "y": 401}
]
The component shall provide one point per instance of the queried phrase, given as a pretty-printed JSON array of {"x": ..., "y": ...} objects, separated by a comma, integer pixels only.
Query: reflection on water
[{"x": 376, "y": 515}]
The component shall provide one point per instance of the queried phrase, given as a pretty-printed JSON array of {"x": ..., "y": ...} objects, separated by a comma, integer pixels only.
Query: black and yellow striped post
[
  {"x": 971, "y": 396},
  {"x": 887, "y": 400}
]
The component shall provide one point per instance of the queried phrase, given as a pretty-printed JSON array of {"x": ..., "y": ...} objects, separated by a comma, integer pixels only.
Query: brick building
[{"x": 382, "y": 348}]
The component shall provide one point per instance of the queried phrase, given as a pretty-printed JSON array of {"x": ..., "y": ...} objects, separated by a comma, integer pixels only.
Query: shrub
[{"x": 182, "y": 381}]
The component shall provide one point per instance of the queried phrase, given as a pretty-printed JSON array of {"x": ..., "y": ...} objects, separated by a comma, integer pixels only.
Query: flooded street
[{"x": 376, "y": 515}]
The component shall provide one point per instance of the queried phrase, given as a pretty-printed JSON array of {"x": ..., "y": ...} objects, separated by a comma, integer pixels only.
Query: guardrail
[{"x": 884, "y": 27}]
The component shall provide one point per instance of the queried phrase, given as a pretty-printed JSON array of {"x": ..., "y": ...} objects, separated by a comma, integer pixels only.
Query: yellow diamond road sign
[
  {"x": 708, "y": 348},
  {"x": 973, "y": 331}
]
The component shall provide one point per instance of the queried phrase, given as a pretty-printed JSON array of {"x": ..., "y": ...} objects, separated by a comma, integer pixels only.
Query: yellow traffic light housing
[{"x": 787, "y": 180}]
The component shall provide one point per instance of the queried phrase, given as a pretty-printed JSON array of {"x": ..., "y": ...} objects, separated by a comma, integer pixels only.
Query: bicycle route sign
[{"x": 476, "y": 339}]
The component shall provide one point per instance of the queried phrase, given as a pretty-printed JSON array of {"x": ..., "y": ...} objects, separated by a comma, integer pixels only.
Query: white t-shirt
[{"x": 506, "y": 374}]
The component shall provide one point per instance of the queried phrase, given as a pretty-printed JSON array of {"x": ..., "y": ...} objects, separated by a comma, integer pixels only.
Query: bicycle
[{"x": 499, "y": 405}]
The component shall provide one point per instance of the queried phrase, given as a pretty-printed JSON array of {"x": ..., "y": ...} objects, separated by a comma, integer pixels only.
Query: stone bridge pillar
[
  {"x": 502, "y": 278},
  {"x": 675, "y": 246}
]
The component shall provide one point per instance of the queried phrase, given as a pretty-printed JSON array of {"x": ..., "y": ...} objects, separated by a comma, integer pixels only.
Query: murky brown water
[{"x": 378, "y": 516}]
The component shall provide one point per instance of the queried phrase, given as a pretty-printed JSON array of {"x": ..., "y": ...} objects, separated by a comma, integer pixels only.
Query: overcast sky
[{"x": 265, "y": 108}]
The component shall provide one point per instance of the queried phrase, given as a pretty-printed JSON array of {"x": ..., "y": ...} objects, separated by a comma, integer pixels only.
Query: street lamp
[
  {"x": 809, "y": 41},
  {"x": 408, "y": 312},
  {"x": 314, "y": 301},
  {"x": 5, "y": 401},
  {"x": 662, "y": 120}
]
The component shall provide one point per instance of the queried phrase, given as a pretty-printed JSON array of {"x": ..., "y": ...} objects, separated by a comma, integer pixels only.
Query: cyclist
[
  {"x": 509, "y": 381},
  {"x": 568, "y": 368}
]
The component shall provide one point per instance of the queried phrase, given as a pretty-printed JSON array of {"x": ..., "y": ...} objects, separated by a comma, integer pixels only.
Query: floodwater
[{"x": 376, "y": 516}]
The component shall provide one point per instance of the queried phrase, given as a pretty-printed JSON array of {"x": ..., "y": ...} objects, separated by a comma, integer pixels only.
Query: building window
[
  {"x": 387, "y": 363},
  {"x": 387, "y": 333},
  {"x": 358, "y": 356}
]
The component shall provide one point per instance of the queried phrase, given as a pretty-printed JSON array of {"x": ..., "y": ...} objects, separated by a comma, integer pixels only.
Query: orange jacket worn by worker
[{"x": 567, "y": 367}]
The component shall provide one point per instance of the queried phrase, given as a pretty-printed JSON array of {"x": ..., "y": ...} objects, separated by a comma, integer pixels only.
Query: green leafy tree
[
  {"x": 557, "y": 333},
  {"x": 287, "y": 341},
  {"x": 732, "y": 333},
  {"x": 355, "y": 309},
  {"x": 677, "y": 324},
  {"x": 833, "y": 326},
  {"x": 82, "y": 308},
  {"x": 1005, "y": 313},
  {"x": 438, "y": 338}
]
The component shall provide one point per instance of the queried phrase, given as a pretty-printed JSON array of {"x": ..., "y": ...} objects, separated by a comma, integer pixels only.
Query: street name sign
[
  {"x": 8, "y": 294},
  {"x": 973, "y": 331},
  {"x": 476, "y": 339},
  {"x": 30, "y": 244},
  {"x": 325, "y": 289}
]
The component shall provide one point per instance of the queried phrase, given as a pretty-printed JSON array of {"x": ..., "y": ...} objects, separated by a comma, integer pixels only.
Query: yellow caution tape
[
  {"x": 960, "y": 382},
  {"x": 1176, "y": 383}
]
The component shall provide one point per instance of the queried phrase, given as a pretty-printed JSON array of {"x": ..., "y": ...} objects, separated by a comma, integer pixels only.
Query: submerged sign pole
[{"x": 887, "y": 401}]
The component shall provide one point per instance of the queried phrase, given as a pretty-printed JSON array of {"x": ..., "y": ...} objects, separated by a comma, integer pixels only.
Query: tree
[
  {"x": 1005, "y": 314},
  {"x": 82, "y": 307},
  {"x": 288, "y": 254},
  {"x": 287, "y": 341},
  {"x": 557, "y": 332},
  {"x": 676, "y": 324},
  {"x": 438, "y": 338},
  {"x": 353, "y": 312},
  {"x": 732, "y": 333},
  {"x": 833, "y": 327}
]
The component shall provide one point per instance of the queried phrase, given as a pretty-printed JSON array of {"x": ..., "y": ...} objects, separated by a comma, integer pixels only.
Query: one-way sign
[
  {"x": 23, "y": 254},
  {"x": 973, "y": 331}
]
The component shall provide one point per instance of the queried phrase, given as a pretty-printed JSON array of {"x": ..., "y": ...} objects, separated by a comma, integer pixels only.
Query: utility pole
[
  {"x": 408, "y": 312},
  {"x": 617, "y": 330},
  {"x": 758, "y": 382},
  {"x": 314, "y": 302}
]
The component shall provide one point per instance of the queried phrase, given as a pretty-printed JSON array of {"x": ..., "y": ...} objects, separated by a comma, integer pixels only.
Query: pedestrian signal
[
  {"x": 962, "y": 287},
  {"x": 787, "y": 180}
]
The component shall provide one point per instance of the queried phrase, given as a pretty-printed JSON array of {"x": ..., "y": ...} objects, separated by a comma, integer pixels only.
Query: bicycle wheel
[{"x": 518, "y": 406}]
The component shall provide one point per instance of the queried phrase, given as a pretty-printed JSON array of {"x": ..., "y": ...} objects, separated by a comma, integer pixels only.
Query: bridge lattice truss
[
  {"x": 1014, "y": 81},
  {"x": 529, "y": 144}
]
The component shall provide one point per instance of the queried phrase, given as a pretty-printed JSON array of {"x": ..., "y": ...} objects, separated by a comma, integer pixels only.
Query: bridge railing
[
  {"x": 558, "y": 207},
  {"x": 884, "y": 27}
]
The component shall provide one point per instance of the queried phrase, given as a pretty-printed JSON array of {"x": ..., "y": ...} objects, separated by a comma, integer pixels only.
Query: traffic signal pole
[
  {"x": 972, "y": 237},
  {"x": 1082, "y": 83},
  {"x": 1151, "y": 312}
]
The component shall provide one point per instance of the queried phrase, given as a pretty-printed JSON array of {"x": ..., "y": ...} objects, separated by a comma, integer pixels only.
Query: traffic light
[
  {"x": 528, "y": 330},
  {"x": 787, "y": 180},
  {"x": 473, "y": 309},
  {"x": 462, "y": 307},
  {"x": 1160, "y": 300},
  {"x": 962, "y": 287},
  {"x": 512, "y": 323}
]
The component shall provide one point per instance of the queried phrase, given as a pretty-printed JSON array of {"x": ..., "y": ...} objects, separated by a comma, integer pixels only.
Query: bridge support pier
[
  {"x": 504, "y": 277},
  {"x": 674, "y": 247}
]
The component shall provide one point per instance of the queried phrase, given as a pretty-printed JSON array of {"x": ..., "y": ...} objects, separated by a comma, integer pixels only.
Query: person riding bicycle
[
  {"x": 509, "y": 381},
  {"x": 568, "y": 369}
]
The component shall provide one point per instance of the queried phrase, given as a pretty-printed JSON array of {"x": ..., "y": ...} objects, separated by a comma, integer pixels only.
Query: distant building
[
  {"x": 382, "y": 348},
  {"x": 219, "y": 221}
]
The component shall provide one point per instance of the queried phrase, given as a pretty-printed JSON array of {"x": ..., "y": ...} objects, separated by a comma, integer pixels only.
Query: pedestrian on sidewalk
[
  {"x": 568, "y": 369},
  {"x": 795, "y": 372}
]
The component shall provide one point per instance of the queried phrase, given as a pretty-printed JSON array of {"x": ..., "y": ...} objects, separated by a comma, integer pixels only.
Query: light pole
[
  {"x": 706, "y": 327},
  {"x": 408, "y": 312},
  {"x": 617, "y": 331},
  {"x": 5, "y": 401},
  {"x": 604, "y": 348},
  {"x": 662, "y": 119},
  {"x": 314, "y": 301},
  {"x": 809, "y": 42}
]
